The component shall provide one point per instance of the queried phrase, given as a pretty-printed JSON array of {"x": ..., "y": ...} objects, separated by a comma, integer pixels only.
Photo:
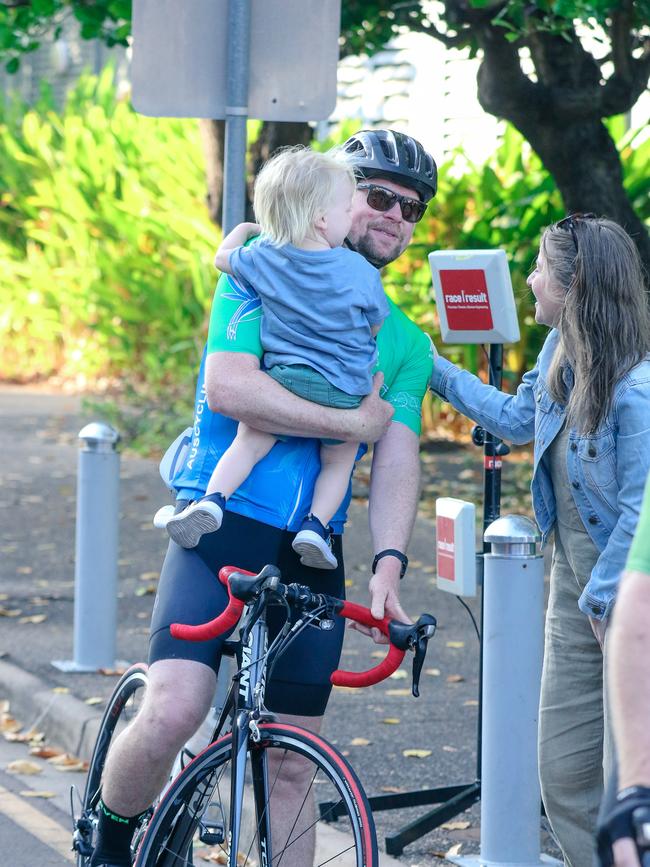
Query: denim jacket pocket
[{"x": 597, "y": 456}]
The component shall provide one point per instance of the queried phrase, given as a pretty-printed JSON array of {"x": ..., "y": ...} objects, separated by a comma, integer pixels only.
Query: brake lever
[{"x": 426, "y": 627}]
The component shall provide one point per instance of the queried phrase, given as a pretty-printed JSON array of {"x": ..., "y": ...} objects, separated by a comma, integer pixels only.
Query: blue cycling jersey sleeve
[{"x": 279, "y": 489}]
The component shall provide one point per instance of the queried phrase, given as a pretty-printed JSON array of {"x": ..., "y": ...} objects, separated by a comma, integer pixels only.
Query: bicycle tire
[
  {"x": 120, "y": 710},
  {"x": 178, "y": 826}
]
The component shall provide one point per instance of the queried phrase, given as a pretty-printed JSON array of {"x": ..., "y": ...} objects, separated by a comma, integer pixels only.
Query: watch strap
[{"x": 391, "y": 552}]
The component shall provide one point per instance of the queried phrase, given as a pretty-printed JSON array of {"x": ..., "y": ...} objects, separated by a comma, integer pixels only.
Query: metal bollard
[
  {"x": 96, "y": 544},
  {"x": 513, "y": 646}
]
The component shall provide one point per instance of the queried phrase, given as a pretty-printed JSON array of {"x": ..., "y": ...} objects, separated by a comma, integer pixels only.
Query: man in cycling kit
[
  {"x": 626, "y": 813},
  {"x": 263, "y": 516}
]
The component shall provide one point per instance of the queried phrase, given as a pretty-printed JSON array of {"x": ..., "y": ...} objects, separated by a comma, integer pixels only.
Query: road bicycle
[{"x": 229, "y": 801}]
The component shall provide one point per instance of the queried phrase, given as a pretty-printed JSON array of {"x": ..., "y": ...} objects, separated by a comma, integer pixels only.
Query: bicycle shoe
[
  {"x": 313, "y": 543},
  {"x": 203, "y": 516}
]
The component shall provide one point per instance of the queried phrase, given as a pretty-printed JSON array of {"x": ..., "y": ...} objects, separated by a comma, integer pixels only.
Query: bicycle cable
[{"x": 471, "y": 615}]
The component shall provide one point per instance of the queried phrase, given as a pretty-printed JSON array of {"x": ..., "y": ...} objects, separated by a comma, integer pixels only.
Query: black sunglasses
[
  {"x": 381, "y": 199},
  {"x": 569, "y": 223}
]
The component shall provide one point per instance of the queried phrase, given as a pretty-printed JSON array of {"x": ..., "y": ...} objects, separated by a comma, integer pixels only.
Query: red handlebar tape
[{"x": 229, "y": 618}]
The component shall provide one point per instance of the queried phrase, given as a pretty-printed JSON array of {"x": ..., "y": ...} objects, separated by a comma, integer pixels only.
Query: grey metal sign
[{"x": 180, "y": 57}]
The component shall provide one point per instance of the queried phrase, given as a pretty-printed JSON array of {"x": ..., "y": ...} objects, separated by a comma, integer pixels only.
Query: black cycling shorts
[{"x": 189, "y": 591}]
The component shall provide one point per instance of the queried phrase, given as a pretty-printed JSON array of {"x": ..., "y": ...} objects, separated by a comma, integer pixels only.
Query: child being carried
[{"x": 322, "y": 307}]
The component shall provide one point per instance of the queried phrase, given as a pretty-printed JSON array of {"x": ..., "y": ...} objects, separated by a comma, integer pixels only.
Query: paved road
[{"x": 38, "y": 440}]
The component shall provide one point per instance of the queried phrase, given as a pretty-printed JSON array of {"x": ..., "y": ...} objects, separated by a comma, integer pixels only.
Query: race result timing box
[{"x": 475, "y": 304}]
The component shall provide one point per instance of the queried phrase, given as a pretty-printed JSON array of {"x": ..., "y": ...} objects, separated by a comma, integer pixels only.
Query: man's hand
[
  {"x": 384, "y": 599},
  {"x": 624, "y": 832},
  {"x": 374, "y": 413}
]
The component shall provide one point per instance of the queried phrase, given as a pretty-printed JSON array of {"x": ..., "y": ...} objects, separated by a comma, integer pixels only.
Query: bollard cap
[
  {"x": 513, "y": 535},
  {"x": 98, "y": 437}
]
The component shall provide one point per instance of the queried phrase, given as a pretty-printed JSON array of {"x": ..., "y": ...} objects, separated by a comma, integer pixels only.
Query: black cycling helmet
[{"x": 389, "y": 154}]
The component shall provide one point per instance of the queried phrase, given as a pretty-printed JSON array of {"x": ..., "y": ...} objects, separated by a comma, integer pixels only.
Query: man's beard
[{"x": 366, "y": 248}]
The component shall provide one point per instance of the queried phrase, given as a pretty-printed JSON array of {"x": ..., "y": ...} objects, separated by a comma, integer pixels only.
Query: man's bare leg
[
  {"x": 290, "y": 776},
  {"x": 176, "y": 702}
]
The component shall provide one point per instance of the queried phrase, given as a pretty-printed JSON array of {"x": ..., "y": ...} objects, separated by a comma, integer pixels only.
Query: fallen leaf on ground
[
  {"x": 9, "y": 724},
  {"x": 32, "y": 793},
  {"x": 455, "y": 678},
  {"x": 455, "y": 850},
  {"x": 397, "y": 692},
  {"x": 10, "y": 612},
  {"x": 24, "y": 570},
  {"x": 400, "y": 674},
  {"x": 394, "y": 790},
  {"x": 112, "y": 672},
  {"x": 149, "y": 590},
  {"x": 378, "y": 654},
  {"x": 45, "y": 752},
  {"x": 450, "y": 749},
  {"x": 31, "y": 737},
  {"x": 66, "y": 762},
  {"x": 455, "y": 826},
  {"x": 4, "y": 596},
  {"x": 434, "y": 672},
  {"x": 455, "y": 644},
  {"x": 472, "y": 702},
  {"x": 22, "y": 766},
  {"x": 359, "y": 742},
  {"x": 33, "y": 618},
  {"x": 149, "y": 576},
  {"x": 94, "y": 699},
  {"x": 390, "y": 721},
  {"x": 416, "y": 754},
  {"x": 349, "y": 582},
  {"x": 61, "y": 690}
]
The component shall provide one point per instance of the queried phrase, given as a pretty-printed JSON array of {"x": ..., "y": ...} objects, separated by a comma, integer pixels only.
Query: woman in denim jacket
[{"x": 586, "y": 405}]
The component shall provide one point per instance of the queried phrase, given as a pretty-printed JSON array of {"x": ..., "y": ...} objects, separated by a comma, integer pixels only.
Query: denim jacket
[{"x": 607, "y": 469}]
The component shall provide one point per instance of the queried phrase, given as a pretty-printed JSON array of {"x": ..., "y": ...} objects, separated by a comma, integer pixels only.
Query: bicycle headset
[{"x": 394, "y": 155}]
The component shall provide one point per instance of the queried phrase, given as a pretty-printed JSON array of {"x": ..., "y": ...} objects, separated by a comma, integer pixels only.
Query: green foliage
[
  {"x": 105, "y": 241},
  {"x": 23, "y": 26}
]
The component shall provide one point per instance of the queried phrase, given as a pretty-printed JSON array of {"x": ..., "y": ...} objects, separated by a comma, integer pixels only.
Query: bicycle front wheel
[
  {"x": 289, "y": 770},
  {"x": 121, "y": 709}
]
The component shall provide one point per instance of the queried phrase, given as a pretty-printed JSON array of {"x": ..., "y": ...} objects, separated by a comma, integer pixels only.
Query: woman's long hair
[{"x": 605, "y": 321}]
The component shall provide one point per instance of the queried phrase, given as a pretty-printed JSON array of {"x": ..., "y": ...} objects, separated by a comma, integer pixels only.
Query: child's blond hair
[{"x": 293, "y": 189}]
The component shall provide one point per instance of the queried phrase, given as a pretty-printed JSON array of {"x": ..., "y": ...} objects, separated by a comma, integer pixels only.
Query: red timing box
[{"x": 466, "y": 299}]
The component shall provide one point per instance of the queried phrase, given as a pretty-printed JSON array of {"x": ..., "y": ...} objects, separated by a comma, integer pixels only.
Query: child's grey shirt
[{"x": 318, "y": 306}]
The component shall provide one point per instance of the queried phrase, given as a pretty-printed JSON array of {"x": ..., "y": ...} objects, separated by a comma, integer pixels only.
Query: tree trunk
[
  {"x": 273, "y": 135},
  {"x": 212, "y": 140}
]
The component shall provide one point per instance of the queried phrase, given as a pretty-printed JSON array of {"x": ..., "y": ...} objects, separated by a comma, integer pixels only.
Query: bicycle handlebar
[{"x": 359, "y": 613}]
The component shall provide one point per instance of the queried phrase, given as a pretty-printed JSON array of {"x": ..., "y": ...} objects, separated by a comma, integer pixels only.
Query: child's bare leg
[
  {"x": 247, "y": 449},
  {"x": 313, "y": 542},
  {"x": 336, "y": 462},
  {"x": 205, "y": 515}
]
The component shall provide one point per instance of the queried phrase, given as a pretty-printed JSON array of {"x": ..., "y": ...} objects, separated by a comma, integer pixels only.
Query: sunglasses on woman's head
[
  {"x": 381, "y": 199},
  {"x": 569, "y": 223}
]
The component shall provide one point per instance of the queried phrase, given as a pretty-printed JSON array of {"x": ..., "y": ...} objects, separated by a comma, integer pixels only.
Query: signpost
[{"x": 235, "y": 59}]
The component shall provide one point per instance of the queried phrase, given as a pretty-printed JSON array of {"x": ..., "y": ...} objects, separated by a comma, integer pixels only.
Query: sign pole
[{"x": 236, "y": 113}]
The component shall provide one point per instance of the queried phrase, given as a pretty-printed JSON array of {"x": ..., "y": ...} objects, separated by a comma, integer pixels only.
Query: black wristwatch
[{"x": 391, "y": 552}]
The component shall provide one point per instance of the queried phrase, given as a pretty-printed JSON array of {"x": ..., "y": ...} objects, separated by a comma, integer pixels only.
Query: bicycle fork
[{"x": 245, "y": 735}]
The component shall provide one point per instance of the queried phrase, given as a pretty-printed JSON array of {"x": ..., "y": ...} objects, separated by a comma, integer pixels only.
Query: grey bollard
[
  {"x": 513, "y": 646},
  {"x": 96, "y": 544}
]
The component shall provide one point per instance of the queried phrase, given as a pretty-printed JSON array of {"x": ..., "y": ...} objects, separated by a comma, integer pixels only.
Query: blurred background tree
[{"x": 555, "y": 69}]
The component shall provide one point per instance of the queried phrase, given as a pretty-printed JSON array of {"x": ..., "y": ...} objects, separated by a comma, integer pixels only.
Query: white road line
[{"x": 39, "y": 825}]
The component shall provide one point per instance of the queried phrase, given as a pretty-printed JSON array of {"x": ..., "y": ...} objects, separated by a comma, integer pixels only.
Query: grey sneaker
[
  {"x": 313, "y": 543},
  {"x": 203, "y": 516}
]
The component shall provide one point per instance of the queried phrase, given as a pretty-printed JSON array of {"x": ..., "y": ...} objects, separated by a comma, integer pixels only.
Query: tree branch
[{"x": 620, "y": 94}]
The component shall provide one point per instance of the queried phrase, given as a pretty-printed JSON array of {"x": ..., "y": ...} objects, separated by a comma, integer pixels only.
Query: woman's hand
[{"x": 599, "y": 627}]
